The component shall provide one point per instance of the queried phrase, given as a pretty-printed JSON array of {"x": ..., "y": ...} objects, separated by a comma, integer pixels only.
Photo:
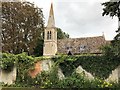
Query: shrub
[
  {"x": 99, "y": 66},
  {"x": 8, "y": 61},
  {"x": 79, "y": 81},
  {"x": 24, "y": 64}
]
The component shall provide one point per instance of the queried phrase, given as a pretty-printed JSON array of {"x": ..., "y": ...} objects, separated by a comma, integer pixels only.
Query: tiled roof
[{"x": 81, "y": 45}]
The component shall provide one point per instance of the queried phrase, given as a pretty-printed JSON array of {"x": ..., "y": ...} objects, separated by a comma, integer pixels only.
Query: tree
[
  {"x": 38, "y": 51},
  {"x": 22, "y": 25},
  {"x": 61, "y": 34},
  {"x": 113, "y": 9}
]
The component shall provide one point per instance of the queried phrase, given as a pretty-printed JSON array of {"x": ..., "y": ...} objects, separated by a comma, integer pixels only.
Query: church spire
[{"x": 51, "y": 21}]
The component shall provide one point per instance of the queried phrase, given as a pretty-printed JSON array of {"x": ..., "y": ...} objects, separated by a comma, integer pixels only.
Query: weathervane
[{"x": 103, "y": 34}]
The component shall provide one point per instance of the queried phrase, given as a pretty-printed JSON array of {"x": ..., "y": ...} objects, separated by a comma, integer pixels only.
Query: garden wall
[
  {"x": 114, "y": 76},
  {"x": 45, "y": 65},
  {"x": 8, "y": 77}
]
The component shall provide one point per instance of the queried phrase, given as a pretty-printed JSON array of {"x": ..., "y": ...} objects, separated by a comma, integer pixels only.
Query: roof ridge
[{"x": 82, "y": 38}]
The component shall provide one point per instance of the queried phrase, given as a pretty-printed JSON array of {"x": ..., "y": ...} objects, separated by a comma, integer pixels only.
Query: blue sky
[{"x": 80, "y": 18}]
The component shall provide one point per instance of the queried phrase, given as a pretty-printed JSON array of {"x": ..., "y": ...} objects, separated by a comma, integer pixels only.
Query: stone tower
[{"x": 50, "y": 36}]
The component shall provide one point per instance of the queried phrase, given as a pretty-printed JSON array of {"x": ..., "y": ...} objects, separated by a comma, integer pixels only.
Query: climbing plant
[
  {"x": 24, "y": 64},
  {"x": 99, "y": 66},
  {"x": 8, "y": 61}
]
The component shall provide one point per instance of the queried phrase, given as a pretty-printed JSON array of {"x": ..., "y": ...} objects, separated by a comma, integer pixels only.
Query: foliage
[
  {"x": 68, "y": 64},
  {"x": 79, "y": 81},
  {"x": 8, "y": 61},
  {"x": 108, "y": 51},
  {"x": 61, "y": 34},
  {"x": 22, "y": 25},
  {"x": 50, "y": 79},
  {"x": 99, "y": 66},
  {"x": 113, "y": 9},
  {"x": 116, "y": 47},
  {"x": 74, "y": 81},
  {"x": 112, "y": 51},
  {"x": 43, "y": 80},
  {"x": 22, "y": 61},
  {"x": 38, "y": 51},
  {"x": 24, "y": 64}
]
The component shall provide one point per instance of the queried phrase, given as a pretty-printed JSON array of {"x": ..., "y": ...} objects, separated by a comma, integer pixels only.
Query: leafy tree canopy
[
  {"x": 113, "y": 9},
  {"x": 61, "y": 34},
  {"x": 22, "y": 25}
]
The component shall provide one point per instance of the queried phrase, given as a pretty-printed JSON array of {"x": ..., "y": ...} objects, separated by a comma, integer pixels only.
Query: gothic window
[{"x": 48, "y": 35}]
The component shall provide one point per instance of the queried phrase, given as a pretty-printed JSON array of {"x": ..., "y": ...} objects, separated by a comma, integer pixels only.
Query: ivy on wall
[
  {"x": 8, "y": 61},
  {"x": 99, "y": 66},
  {"x": 22, "y": 61},
  {"x": 24, "y": 64}
]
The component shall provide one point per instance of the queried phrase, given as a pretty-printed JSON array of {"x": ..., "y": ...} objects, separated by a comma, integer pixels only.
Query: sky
[{"x": 80, "y": 18}]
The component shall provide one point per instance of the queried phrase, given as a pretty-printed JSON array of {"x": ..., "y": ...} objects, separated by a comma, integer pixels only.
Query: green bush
[
  {"x": 8, "y": 61},
  {"x": 79, "y": 81},
  {"x": 99, "y": 66},
  {"x": 24, "y": 64},
  {"x": 22, "y": 61},
  {"x": 42, "y": 80}
]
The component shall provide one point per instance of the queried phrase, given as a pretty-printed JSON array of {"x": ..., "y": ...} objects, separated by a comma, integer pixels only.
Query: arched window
[{"x": 50, "y": 35}]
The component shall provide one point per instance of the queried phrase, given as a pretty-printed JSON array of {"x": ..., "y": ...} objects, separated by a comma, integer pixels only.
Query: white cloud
[{"x": 80, "y": 18}]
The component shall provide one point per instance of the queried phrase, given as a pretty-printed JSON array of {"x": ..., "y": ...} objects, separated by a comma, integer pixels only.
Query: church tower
[{"x": 50, "y": 36}]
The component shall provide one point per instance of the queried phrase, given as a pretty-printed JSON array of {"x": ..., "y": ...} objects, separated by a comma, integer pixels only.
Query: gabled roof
[{"x": 92, "y": 44}]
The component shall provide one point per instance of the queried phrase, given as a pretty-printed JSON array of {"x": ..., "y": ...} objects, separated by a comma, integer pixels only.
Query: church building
[{"x": 52, "y": 46}]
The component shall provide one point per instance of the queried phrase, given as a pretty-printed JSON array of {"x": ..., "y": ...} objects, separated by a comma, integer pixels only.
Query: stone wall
[
  {"x": 114, "y": 76},
  {"x": 87, "y": 75},
  {"x": 8, "y": 77},
  {"x": 36, "y": 70},
  {"x": 44, "y": 65}
]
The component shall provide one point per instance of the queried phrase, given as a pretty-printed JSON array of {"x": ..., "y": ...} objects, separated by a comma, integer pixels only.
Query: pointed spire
[{"x": 51, "y": 21}]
